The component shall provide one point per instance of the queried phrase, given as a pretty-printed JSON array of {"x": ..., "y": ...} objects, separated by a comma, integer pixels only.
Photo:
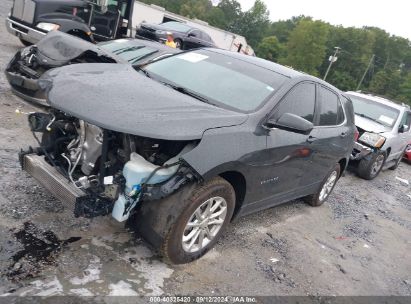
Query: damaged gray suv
[{"x": 182, "y": 146}]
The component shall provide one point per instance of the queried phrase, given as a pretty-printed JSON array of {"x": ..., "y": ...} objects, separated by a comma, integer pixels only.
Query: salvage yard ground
[{"x": 359, "y": 243}]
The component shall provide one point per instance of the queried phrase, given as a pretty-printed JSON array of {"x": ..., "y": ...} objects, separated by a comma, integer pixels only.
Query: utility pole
[
  {"x": 332, "y": 59},
  {"x": 366, "y": 71}
]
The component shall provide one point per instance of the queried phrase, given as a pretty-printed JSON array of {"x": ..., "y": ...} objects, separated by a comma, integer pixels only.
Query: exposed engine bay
[{"x": 115, "y": 171}]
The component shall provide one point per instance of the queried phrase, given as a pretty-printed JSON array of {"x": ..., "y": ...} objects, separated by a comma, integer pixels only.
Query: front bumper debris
[
  {"x": 82, "y": 203},
  {"x": 51, "y": 179},
  {"x": 360, "y": 151},
  {"x": 22, "y": 86}
]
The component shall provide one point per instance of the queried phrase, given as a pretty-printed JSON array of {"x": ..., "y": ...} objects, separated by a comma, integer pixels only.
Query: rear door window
[
  {"x": 299, "y": 101},
  {"x": 330, "y": 109}
]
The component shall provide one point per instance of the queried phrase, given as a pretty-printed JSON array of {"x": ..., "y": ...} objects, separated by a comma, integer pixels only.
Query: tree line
[{"x": 306, "y": 44}]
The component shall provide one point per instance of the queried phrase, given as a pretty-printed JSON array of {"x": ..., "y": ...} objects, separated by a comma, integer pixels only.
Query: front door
[
  {"x": 287, "y": 152},
  {"x": 400, "y": 139}
]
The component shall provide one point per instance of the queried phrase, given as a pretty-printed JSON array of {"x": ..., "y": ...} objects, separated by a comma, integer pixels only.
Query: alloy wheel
[
  {"x": 204, "y": 224},
  {"x": 328, "y": 186},
  {"x": 377, "y": 165}
]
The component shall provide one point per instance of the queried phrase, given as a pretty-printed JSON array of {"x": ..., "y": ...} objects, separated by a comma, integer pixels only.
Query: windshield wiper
[
  {"x": 139, "y": 68},
  {"x": 187, "y": 92},
  {"x": 139, "y": 58}
]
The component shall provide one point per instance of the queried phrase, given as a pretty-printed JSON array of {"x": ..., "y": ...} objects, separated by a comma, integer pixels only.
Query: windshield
[
  {"x": 383, "y": 114},
  {"x": 177, "y": 26},
  {"x": 128, "y": 50},
  {"x": 218, "y": 79}
]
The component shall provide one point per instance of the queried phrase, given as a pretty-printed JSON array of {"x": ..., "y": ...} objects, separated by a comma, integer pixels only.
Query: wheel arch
[
  {"x": 343, "y": 162},
  {"x": 239, "y": 184}
]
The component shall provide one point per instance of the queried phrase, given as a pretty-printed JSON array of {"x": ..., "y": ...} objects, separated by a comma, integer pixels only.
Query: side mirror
[
  {"x": 403, "y": 129},
  {"x": 290, "y": 122}
]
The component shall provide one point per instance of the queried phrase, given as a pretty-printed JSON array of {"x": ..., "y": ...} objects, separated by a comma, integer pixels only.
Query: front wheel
[
  {"x": 184, "y": 226},
  {"x": 326, "y": 187},
  {"x": 371, "y": 166}
]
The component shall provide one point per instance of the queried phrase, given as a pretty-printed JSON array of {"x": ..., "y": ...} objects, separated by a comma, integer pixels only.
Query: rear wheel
[
  {"x": 326, "y": 188},
  {"x": 184, "y": 226},
  {"x": 25, "y": 43},
  {"x": 371, "y": 166}
]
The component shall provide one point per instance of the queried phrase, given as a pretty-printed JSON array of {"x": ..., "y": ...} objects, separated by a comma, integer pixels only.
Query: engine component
[
  {"x": 91, "y": 149},
  {"x": 139, "y": 172},
  {"x": 40, "y": 122}
]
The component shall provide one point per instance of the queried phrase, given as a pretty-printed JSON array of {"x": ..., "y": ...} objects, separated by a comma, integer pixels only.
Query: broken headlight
[{"x": 372, "y": 139}]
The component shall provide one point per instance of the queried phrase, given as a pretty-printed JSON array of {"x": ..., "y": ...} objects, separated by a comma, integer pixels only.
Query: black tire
[
  {"x": 366, "y": 168},
  {"x": 179, "y": 44},
  {"x": 25, "y": 43},
  {"x": 162, "y": 223},
  {"x": 315, "y": 199}
]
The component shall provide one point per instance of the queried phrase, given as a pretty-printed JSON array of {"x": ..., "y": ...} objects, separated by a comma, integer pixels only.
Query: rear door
[
  {"x": 287, "y": 152},
  {"x": 330, "y": 138}
]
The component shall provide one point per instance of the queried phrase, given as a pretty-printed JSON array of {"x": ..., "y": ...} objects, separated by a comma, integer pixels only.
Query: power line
[{"x": 366, "y": 71}]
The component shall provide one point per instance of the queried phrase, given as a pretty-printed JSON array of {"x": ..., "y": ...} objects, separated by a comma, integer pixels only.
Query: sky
[{"x": 394, "y": 16}]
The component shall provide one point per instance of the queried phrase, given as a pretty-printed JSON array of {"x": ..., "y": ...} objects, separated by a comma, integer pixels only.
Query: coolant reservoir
[{"x": 137, "y": 170}]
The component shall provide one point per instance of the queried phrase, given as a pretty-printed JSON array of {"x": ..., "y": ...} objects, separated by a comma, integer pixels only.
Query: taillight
[
  {"x": 356, "y": 134},
  {"x": 74, "y": 11}
]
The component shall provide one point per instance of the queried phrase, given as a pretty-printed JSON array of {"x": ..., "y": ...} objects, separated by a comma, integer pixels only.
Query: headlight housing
[
  {"x": 48, "y": 26},
  {"x": 372, "y": 139},
  {"x": 161, "y": 32}
]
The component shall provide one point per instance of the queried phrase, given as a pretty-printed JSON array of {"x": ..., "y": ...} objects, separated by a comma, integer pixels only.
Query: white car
[{"x": 383, "y": 133}]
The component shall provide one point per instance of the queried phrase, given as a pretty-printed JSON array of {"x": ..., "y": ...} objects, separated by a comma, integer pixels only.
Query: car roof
[
  {"x": 269, "y": 65},
  {"x": 378, "y": 99}
]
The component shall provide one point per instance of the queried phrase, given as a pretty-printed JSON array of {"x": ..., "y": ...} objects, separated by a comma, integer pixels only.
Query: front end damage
[
  {"x": 97, "y": 171},
  {"x": 55, "y": 50},
  {"x": 365, "y": 144}
]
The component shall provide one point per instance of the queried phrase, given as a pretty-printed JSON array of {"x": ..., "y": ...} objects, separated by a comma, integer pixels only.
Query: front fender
[{"x": 68, "y": 23}]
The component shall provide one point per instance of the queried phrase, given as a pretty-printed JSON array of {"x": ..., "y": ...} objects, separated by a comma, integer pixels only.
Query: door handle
[
  {"x": 310, "y": 139},
  {"x": 343, "y": 134}
]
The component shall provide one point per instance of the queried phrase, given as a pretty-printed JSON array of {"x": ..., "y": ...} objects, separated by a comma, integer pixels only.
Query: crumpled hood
[
  {"x": 58, "y": 48},
  {"x": 118, "y": 98},
  {"x": 369, "y": 125}
]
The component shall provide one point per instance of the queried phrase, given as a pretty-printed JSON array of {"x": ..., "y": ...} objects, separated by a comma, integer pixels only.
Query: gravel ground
[{"x": 359, "y": 243}]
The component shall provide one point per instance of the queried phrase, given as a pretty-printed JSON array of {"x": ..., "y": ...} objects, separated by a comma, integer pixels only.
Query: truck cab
[{"x": 31, "y": 20}]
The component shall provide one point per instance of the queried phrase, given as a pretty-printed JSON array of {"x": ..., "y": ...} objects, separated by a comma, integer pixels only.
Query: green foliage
[
  {"x": 269, "y": 48},
  {"x": 306, "y": 44}
]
